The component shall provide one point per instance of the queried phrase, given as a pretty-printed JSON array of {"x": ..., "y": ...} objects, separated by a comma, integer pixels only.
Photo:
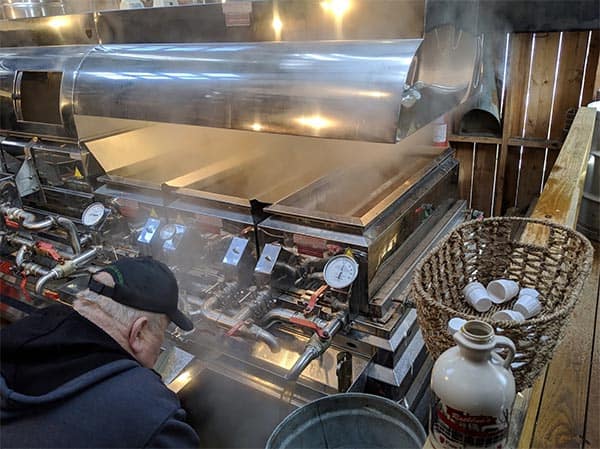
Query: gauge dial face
[
  {"x": 340, "y": 271},
  {"x": 168, "y": 232},
  {"x": 93, "y": 214}
]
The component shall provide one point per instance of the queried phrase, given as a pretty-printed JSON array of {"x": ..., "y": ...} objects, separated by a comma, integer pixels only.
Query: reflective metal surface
[
  {"x": 39, "y": 60},
  {"x": 349, "y": 420},
  {"x": 308, "y": 88},
  {"x": 18, "y": 9},
  {"x": 376, "y": 90},
  {"x": 299, "y": 19},
  {"x": 74, "y": 29}
]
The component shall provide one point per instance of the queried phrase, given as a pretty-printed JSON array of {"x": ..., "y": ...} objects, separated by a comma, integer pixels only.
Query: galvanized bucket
[{"x": 349, "y": 420}]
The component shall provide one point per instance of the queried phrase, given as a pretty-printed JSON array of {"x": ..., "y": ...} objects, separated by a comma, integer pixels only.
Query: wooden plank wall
[{"x": 545, "y": 74}]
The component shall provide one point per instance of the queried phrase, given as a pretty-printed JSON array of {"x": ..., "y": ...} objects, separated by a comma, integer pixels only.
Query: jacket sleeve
[{"x": 174, "y": 433}]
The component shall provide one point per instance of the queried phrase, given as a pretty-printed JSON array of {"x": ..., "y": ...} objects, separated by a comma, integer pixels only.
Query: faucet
[{"x": 316, "y": 346}]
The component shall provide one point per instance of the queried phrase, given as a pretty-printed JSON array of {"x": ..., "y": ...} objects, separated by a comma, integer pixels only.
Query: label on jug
[{"x": 450, "y": 428}]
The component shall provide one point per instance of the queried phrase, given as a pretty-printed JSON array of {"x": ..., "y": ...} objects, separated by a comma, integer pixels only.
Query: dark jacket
[{"x": 66, "y": 383}]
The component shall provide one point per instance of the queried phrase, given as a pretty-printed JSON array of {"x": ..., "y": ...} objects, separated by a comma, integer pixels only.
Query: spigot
[
  {"x": 313, "y": 349},
  {"x": 316, "y": 346}
]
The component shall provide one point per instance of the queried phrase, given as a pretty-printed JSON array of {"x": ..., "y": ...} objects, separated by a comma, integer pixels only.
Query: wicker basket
[{"x": 490, "y": 249}]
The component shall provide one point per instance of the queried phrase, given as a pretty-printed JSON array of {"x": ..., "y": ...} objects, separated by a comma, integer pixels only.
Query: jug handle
[{"x": 502, "y": 342}]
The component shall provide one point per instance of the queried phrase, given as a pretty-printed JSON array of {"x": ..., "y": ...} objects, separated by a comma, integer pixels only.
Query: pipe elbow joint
[{"x": 41, "y": 283}]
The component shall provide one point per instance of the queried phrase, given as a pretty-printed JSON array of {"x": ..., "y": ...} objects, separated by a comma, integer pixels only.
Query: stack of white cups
[{"x": 500, "y": 291}]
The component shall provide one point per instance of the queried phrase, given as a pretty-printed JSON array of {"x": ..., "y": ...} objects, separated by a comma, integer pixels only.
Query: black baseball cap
[{"x": 144, "y": 284}]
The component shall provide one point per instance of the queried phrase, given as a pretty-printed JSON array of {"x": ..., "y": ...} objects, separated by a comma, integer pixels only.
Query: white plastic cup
[
  {"x": 455, "y": 324},
  {"x": 508, "y": 315},
  {"x": 528, "y": 306},
  {"x": 502, "y": 290},
  {"x": 529, "y": 292},
  {"x": 477, "y": 296},
  {"x": 472, "y": 285}
]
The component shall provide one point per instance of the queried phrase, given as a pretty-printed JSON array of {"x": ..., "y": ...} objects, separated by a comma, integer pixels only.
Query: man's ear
[{"x": 137, "y": 334}]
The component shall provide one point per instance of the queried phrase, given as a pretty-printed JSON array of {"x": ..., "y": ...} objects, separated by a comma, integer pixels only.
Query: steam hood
[
  {"x": 375, "y": 91},
  {"x": 354, "y": 90}
]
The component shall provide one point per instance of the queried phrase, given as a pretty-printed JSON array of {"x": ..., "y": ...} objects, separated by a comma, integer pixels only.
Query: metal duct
[
  {"x": 301, "y": 88},
  {"x": 352, "y": 90}
]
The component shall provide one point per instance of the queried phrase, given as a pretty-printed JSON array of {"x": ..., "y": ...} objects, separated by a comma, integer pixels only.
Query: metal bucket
[{"x": 349, "y": 420}]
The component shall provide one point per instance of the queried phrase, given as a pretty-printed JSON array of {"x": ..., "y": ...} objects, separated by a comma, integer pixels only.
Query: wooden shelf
[
  {"x": 475, "y": 139},
  {"x": 512, "y": 141}
]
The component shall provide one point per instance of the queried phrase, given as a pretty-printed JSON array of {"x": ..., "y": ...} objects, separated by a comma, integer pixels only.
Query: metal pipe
[
  {"x": 31, "y": 224},
  {"x": 316, "y": 346},
  {"x": 20, "y": 256},
  {"x": 311, "y": 352},
  {"x": 279, "y": 314},
  {"x": 18, "y": 240},
  {"x": 249, "y": 330},
  {"x": 41, "y": 282},
  {"x": 67, "y": 268},
  {"x": 69, "y": 226},
  {"x": 28, "y": 220},
  {"x": 85, "y": 257},
  {"x": 34, "y": 269}
]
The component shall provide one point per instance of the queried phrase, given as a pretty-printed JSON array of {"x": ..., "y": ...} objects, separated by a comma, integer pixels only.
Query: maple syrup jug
[{"x": 473, "y": 391}]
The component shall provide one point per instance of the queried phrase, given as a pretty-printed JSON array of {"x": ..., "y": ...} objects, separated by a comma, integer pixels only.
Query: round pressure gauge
[
  {"x": 168, "y": 232},
  {"x": 340, "y": 271},
  {"x": 93, "y": 214}
]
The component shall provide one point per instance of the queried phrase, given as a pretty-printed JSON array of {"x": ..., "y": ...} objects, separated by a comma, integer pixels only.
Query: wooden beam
[
  {"x": 560, "y": 201},
  {"x": 592, "y": 430},
  {"x": 561, "y": 417},
  {"x": 562, "y": 195}
]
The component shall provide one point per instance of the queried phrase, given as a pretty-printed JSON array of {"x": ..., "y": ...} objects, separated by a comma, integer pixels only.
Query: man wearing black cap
[{"x": 78, "y": 377}]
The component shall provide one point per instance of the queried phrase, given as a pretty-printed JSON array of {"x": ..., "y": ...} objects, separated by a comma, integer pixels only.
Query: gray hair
[{"x": 123, "y": 314}]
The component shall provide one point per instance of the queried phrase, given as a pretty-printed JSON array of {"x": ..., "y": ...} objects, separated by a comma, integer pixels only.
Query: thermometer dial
[
  {"x": 340, "y": 271},
  {"x": 93, "y": 214}
]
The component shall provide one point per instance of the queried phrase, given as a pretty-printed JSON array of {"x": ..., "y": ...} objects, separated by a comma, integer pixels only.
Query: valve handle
[
  {"x": 315, "y": 297},
  {"x": 322, "y": 333}
]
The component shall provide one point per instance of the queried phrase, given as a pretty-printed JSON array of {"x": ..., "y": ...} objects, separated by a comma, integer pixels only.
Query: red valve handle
[
  {"x": 23, "y": 285},
  {"x": 11, "y": 223},
  {"x": 49, "y": 250},
  {"x": 231, "y": 332},
  {"x": 315, "y": 297},
  {"x": 322, "y": 333}
]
